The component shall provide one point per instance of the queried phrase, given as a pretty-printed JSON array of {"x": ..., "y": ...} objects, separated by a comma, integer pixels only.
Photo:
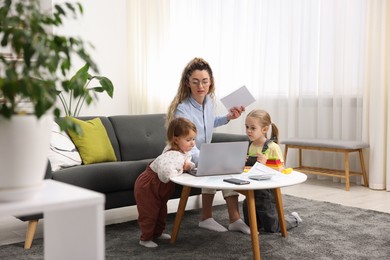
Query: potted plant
[
  {"x": 36, "y": 64},
  {"x": 72, "y": 103}
]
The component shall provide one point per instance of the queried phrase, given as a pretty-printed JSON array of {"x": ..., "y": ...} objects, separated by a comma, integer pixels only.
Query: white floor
[{"x": 13, "y": 230}]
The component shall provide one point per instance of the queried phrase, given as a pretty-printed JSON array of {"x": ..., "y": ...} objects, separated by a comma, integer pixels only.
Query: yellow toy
[{"x": 247, "y": 168}]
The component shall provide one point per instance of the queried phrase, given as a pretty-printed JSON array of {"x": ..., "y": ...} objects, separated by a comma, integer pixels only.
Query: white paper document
[
  {"x": 239, "y": 97},
  {"x": 261, "y": 169}
]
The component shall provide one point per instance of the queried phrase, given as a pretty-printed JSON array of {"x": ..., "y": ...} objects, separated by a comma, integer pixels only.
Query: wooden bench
[{"x": 339, "y": 146}]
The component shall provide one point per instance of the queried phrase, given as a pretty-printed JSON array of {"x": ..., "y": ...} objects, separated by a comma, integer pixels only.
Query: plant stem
[
  {"x": 64, "y": 104},
  {"x": 82, "y": 99},
  {"x": 82, "y": 103},
  {"x": 70, "y": 102}
]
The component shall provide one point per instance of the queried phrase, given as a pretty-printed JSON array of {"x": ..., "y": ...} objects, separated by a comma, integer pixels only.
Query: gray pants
[{"x": 266, "y": 213}]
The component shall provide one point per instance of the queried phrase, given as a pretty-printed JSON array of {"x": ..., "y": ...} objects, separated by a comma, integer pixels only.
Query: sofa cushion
[
  {"x": 103, "y": 177},
  {"x": 110, "y": 132},
  {"x": 93, "y": 145},
  {"x": 140, "y": 136},
  {"x": 63, "y": 152}
]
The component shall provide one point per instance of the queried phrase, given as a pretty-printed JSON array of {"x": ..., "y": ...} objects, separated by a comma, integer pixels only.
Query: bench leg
[
  {"x": 363, "y": 168},
  {"x": 346, "y": 159},
  {"x": 300, "y": 157},
  {"x": 285, "y": 154},
  {"x": 32, "y": 227}
]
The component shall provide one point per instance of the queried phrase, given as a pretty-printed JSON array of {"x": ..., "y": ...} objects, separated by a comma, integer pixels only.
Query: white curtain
[
  {"x": 305, "y": 61},
  {"x": 376, "y": 123}
]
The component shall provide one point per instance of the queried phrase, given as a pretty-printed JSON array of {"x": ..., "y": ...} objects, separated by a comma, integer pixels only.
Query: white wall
[{"x": 104, "y": 25}]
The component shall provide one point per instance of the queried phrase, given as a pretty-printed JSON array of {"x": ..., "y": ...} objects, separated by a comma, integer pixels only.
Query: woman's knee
[
  {"x": 229, "y": 193},
  {"x": 209, "y": 191}
]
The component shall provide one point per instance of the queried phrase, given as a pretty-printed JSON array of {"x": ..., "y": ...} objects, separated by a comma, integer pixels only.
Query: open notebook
[{"x": 221, "y": 158}]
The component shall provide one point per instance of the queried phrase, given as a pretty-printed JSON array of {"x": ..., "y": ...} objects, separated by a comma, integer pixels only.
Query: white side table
[{"x": 74, "y": 220}]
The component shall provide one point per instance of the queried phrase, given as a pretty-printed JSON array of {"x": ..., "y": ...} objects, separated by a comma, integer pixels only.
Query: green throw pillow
[{"x": 94, "y": 145}]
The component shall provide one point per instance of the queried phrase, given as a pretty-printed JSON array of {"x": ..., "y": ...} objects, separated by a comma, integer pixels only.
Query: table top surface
[
  {"x": 52, "y": 196},
  {"x": 216, "y": 182}
]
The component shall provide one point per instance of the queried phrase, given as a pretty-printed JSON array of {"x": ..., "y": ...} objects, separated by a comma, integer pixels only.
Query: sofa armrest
[
  {"x": 225, "y": 137},
  {"x": 48, "y": 174}
]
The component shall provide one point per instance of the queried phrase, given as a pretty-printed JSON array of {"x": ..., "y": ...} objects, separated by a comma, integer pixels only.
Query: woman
[{"x": 195, "y": 100}]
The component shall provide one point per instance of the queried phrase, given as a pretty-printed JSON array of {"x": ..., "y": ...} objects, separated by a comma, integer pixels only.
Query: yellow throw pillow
[{"x": 94, "y": 145}]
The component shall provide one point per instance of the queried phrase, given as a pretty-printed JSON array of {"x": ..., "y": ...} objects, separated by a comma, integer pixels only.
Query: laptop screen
[{"x": 222, "y": 158}]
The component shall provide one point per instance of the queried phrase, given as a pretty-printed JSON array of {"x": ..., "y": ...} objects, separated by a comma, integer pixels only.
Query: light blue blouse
[{"x": 204, "y": 118}]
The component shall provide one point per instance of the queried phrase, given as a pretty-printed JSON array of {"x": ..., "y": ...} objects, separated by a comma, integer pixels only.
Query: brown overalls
[{"x": 152, "y": 196}]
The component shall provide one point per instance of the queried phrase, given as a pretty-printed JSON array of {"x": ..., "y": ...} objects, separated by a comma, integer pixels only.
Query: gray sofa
[{"x": 137, "y": 140}]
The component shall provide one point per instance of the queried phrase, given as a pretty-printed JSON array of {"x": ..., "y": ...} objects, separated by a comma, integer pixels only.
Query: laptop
[{"x": 221, "y": 158}]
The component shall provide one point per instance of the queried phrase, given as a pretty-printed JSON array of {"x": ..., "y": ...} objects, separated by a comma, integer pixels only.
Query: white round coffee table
[{"x": 216, "y": 182}]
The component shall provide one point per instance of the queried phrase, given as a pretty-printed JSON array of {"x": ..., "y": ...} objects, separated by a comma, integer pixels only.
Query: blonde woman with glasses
[{"x": 195, "y": 100}]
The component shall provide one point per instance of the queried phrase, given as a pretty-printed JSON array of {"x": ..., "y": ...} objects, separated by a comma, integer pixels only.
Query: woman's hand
[{"x": 235, "y": 112}]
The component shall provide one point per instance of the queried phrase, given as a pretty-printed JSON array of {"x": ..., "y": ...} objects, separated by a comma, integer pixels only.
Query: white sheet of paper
[
  {"x": 261, "y": 169},
  {"x": 239, "y": 97}
]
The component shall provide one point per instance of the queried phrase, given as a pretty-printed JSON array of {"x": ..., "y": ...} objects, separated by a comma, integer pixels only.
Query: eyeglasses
[{"x": 198, "y": 83}]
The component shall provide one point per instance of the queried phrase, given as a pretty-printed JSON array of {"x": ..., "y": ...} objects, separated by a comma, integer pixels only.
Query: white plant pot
[{"x": 24, "y": 146}]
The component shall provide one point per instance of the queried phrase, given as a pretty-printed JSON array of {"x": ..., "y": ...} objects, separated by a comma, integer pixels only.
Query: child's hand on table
[
  {"x": 261, "y": 158},
  {"x": 186, "y": 167}
]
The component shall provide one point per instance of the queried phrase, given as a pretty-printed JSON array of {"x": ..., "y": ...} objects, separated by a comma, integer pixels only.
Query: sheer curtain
[
  {"x": 376, "y": 123},
  {"x": 305, "y": 61}
]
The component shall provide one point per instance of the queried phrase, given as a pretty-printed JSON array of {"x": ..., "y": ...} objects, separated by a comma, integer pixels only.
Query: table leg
[
  {"x": 180, "y": 212},
  {"x": 279, "y": 208},
  {"x": 250, "y": 200}
]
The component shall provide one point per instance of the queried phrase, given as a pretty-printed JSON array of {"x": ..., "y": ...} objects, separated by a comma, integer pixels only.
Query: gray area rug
[{"x": 328, "y": 231}]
